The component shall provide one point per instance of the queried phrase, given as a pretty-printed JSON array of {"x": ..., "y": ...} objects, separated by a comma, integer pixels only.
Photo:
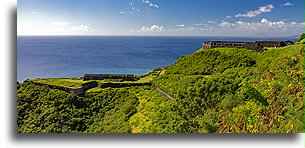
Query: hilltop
[
  {"x": 238, "y": 90},
  {"x": 219, "y": 90}
]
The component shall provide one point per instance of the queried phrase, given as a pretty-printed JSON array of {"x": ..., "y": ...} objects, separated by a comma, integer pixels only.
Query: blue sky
[{"x": 161, "y": 17}]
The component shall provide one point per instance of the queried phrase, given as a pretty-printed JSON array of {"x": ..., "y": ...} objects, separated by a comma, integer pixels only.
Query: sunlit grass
[{"x": 63, "y": 82}]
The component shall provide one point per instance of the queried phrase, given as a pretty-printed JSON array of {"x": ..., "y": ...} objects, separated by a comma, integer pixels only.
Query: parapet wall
[
  {"x": 88, "y": 85},
  {"x": 120, "y": 85},
  {"x": 258, "y": 45},
  {"x": 126, "y": 77},
  {"x": 77, "y": 91}
]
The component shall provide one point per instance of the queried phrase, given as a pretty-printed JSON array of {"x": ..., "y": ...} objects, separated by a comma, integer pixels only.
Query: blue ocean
[{"x": 74, "y": 56}]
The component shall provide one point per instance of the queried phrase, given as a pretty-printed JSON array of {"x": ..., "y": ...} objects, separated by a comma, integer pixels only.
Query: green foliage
[
  {"x": 209, "y": 62},
  {"x": 243, "y": 118},
  {"x": 223, "y": 90},
  {"x": 63, "y": 82},
  {"x": 156, "y": 113},
  {"x": 44, "y": 110},
  {"x": 111, "y": 110},
  {"x": 236, "y": 90}
]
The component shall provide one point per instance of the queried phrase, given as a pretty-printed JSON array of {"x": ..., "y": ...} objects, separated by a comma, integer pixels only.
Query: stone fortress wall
[
  {"x": 77, "y": 91},
  {"x": 126, "y": 77},
  {"x": 258, "y": 45},
  {"x": 120, "y": 85}
]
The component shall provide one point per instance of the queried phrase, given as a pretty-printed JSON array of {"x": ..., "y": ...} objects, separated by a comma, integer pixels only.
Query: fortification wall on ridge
[
  {"x": 120, "y": 85},
  {"x": 77, "y": 91},
  {"x": 258, "y": 45},
  {"x": 126, "y": 77}
]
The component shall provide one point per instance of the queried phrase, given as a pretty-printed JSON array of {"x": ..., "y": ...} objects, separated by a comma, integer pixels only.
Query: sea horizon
[
  {"x": 52, "y": 56},
  {"x": 150, "y": 66},
  {"x": 128, "y": 35}
]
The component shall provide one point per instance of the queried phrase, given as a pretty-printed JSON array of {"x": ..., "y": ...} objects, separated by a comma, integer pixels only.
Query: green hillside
[
  {"x": 238, "y": 90},
  {"x": 223, "y": 90}
]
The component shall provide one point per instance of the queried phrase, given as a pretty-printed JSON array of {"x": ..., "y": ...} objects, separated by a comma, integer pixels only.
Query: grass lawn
[
  {"x": 145, "y": 79},
  {"x": 95, "y": 90},
  {"x": 64, "y": 82},
  {"x": 78, "y": 82}
]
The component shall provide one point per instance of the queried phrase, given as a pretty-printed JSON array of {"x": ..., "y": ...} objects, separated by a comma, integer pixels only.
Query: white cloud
[
  {"x": 153, "y": 28},
  {"x": 212, "y": 22},
  {"x": 122, "y": 12},
  {"x": 226, "y": 24},
  {"x": 34, "y": 12},
  {"x": 264, "y": 26},
  {"x": 264, "y": 20},
  {"x": 81, "y": 28},
  {"x": 188, "y": 29},
  {"x": 262, "y": 9},
  {"x": 196, "y": 28},
  {"x": 133, "y": 8},
  {"x": 153, "y": 5},
  {"x": 180, "y": 25},
  {"x": 146, "y": 2},
  {"x": 150, "y": 4},
  {"x": 60, "y": 23},
  {"x": 267, "y": 8},
  {"x": 201, "y": 24},
  {"x": 288, "y": 4},
  {"x": 228, "y": 16}
]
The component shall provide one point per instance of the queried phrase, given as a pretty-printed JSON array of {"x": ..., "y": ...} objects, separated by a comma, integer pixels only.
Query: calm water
[{"x": 73, "y": 56}]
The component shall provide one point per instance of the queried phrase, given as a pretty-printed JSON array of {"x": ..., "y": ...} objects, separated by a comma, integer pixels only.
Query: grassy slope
[
  {"x": 218, "y": 90},
  {"x": 63, "y": 82},
  {"x": 78, "y": 82},
  {"x": 155, "y": 112},
  {"x": 225, "y": 82}
]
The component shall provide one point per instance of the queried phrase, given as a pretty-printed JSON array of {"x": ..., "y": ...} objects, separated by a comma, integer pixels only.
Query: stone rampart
[
  {"x": 120, "y": 85},
  {"x": 126, "y": 77},
  {"x": 258, "y": 45},
  {"x": 77, "y": 91}
]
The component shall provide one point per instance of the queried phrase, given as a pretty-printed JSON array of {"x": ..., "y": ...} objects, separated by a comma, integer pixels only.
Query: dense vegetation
[
  {"x": 44, "y": 110},
  {"x": 219, "y": 90},
  {"x": 252, "y": 92}
]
